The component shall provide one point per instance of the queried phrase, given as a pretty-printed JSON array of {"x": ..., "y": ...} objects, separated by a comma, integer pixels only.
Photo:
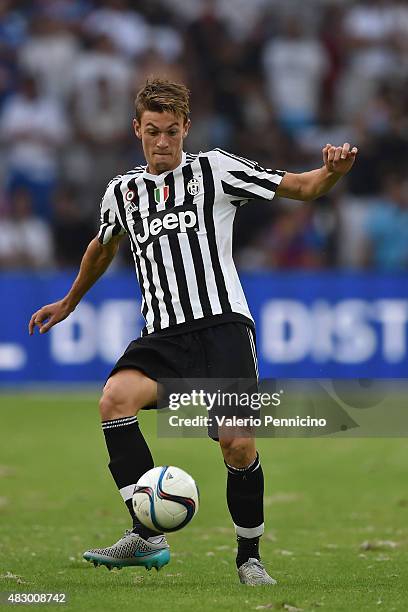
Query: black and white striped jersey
[{"x": 180, "y": 228}]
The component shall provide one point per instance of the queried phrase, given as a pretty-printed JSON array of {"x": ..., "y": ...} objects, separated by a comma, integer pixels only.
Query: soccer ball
[{"x": 165, "y": 498}]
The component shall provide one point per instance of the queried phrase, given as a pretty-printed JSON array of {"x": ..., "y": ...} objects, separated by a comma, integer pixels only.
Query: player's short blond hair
[{"x": 160, "y": 96}]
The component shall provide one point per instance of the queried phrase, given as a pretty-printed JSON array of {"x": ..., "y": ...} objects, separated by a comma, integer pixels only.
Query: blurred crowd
[{"x": 271, "y": 80}]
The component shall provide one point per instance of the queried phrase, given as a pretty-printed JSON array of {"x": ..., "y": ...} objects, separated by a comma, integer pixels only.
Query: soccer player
[{"x": 178, "y": 212}]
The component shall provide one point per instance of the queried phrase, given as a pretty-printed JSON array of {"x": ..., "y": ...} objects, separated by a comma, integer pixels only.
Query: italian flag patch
[{"x": 161, "y": 194}]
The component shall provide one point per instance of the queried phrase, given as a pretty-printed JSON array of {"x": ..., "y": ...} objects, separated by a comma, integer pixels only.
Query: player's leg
[
  {"x": 245, "y": 490},
  {"x": 125, "y": 393},
  {"x": 231, "y": 354}
]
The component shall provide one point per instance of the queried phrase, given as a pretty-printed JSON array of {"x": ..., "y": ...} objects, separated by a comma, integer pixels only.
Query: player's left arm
[{"x": 311, "y": 185}]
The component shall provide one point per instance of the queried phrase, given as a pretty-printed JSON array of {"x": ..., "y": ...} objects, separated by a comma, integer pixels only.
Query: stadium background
[{"x": 273, "y": 81}]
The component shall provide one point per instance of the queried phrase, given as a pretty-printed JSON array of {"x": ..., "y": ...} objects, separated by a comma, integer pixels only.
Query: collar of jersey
[{"x": 156, "y": 176}]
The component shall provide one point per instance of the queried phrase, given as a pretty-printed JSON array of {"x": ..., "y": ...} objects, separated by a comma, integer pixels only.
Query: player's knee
[
  {"x": 110, "y": 407},
  {"x": 115, "y": 403},
  {"x": 238, "y": 452},
  {"x": 125, "y": 393}
]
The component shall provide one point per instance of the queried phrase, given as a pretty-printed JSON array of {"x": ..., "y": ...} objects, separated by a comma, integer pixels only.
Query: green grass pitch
[{"x": 336, "y": 518}]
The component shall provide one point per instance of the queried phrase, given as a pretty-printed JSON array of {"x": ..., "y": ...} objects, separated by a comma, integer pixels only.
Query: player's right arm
[
  {"x": 95, "y": 262},
  {"x": 97, "y": 257}
]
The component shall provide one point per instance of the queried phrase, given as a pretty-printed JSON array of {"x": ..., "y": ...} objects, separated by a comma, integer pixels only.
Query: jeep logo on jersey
[
  {"x": 161, "y": 194},
  {"x": 178, "y": 220},
  {"x": 193, "y": 186}
]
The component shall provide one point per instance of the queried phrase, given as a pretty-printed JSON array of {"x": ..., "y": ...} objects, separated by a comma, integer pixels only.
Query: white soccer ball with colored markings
[{"x": 165, "y": 498}]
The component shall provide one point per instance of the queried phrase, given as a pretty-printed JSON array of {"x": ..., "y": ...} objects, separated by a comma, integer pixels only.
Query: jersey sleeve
[
  {"x": 243, "y": 180},
  {"x": 110, "y": 222}
]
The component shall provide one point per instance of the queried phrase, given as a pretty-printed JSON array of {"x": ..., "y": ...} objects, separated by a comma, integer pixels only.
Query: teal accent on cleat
[{"x": 131, "y": 550}]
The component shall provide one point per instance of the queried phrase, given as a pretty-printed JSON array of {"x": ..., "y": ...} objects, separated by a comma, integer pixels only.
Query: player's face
[{"x": 162, "y": 136}]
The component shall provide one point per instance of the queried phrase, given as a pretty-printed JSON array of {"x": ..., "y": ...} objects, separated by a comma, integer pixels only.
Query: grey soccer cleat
[
  {"x": 252, "y": 572},
  {"x": 132, "y": 550}
]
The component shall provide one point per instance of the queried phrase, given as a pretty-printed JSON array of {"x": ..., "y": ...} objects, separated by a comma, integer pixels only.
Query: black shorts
[{"x": 225, "y": 351}]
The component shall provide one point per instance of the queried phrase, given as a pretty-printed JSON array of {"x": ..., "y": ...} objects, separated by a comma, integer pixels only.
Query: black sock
[
  {"x": 247, "y": 548},
  {"x": 245, "y": 489},
  {"x": 130, "y": 457}
]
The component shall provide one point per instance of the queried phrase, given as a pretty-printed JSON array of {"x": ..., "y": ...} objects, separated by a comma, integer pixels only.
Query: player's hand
[
  {"x": 48, "y": 316},
  {"x": 339, "y": 159}
]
